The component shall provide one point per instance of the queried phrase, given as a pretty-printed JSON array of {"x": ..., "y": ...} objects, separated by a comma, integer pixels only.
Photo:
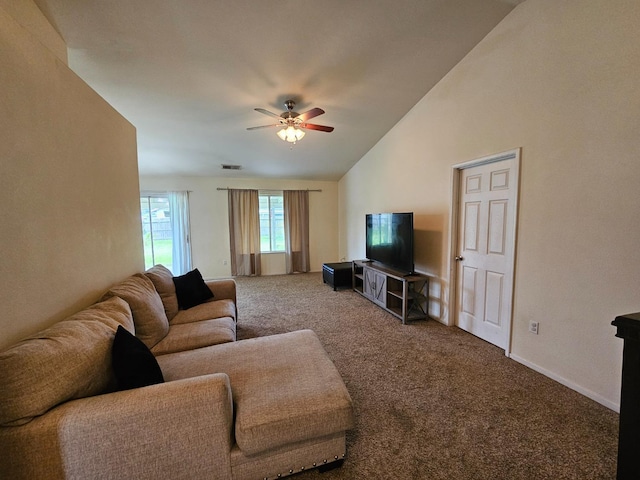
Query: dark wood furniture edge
[{"x": 628, "y": 328}]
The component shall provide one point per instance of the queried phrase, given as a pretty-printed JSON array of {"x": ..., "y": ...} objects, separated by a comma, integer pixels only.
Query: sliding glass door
[{"x": 165, "y": 231}]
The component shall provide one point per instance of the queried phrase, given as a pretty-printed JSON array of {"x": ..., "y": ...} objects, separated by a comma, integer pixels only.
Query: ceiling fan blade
[
  {"x": 265, "y": 126},
  {"x": 313, "y": 126},
  {"x": 314, "y": 112},
  {"x": 267, "y": 112}
]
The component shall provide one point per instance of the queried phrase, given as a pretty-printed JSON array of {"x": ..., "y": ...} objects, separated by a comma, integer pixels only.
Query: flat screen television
[{"x": 390, "y": 240}]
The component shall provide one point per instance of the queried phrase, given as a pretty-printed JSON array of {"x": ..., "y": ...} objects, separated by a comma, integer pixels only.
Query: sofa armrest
[
  {"x": 172, "y": 430},
  {"x": 222, "y": 289},
  {"x": 178, "y": 429}
]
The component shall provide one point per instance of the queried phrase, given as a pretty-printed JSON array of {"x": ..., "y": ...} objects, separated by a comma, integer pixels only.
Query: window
[
  {"x": 156, "y": 230},
  {"x": 271, "y": 222},
  {"x": 165, "y": 231}
]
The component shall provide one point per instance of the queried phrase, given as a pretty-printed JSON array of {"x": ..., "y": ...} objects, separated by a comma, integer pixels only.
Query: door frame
[{"x": 454, "y": 217}]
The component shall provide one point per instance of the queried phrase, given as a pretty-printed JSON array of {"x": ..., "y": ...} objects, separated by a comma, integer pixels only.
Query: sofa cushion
[
  {"x": 133, "y": 363},
  {"x": 71, "y": 359},
  {"x": 188, "y": 336},
  {"x": 285, "y": 388},
  {"x": 191, "y": 289},
  {"x": 151, "y": 324},
  {"x": 162, "y": 279},
  {"x": 206, "y": 311}
]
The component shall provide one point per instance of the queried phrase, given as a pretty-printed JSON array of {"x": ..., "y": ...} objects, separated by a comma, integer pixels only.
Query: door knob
[{"x": 459, "y": 258}]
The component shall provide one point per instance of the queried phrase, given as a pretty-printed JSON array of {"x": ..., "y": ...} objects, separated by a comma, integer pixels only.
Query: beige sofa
[{"x": 252, "y": 409}]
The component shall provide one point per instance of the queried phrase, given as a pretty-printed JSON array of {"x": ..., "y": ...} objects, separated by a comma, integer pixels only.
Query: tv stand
[{"x": 403, "y": 295}]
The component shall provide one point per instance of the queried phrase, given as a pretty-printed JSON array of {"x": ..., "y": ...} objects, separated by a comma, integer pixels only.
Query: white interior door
[{"x": 484, "y": 253}]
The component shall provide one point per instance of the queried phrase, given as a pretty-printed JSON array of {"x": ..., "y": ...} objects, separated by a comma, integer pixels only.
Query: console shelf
[{"x": 405, "y": 296}]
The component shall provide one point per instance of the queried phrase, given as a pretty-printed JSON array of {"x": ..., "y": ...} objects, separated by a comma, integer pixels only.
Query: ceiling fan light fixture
[
  {"x": 290, "y": 134},
  {"x": 290, "y": 123}
]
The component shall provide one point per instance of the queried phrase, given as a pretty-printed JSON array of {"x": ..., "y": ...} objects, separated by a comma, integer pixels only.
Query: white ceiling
[{"x": 188, "y": 74}]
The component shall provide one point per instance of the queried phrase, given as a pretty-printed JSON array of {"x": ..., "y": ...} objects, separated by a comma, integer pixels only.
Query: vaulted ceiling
[{"x": 189, "y": 74}]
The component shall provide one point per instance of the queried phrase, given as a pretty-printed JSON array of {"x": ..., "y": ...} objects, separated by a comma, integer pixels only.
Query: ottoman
[
  {"x": 337, "y": 274},
  {"x": 291, "y": 409}
]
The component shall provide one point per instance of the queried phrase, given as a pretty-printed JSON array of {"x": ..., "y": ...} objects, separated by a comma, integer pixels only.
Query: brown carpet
[{"x": 434, "y": 402}]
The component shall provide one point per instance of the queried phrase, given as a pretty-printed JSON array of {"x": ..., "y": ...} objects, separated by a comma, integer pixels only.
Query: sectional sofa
[{"x": 259, "y": 408}]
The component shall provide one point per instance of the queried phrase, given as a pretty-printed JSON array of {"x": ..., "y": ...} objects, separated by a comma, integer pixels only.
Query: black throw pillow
[
  {"x": 133, "y": 363},
  {"x": 191, "y": 289}
]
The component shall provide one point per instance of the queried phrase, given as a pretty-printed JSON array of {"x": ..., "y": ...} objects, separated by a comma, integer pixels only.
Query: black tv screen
[{"x": 390, "y": 240}]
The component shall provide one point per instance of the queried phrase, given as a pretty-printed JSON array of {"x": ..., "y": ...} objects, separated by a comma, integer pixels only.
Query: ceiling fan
[{"x": 292, "y": 123}]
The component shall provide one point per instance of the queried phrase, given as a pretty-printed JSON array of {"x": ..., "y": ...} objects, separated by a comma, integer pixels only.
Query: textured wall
[{"x": 68, "y": 185}]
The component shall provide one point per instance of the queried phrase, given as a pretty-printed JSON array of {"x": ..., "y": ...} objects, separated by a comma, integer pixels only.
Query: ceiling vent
[{"x": 231, "y": 167}]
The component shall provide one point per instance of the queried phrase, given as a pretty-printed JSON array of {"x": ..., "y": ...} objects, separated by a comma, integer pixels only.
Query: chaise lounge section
[{"x": 252, "y": 409}]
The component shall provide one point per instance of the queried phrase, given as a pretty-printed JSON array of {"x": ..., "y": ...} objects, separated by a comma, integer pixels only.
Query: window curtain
[
  {"x": 296, "y": 230},
  {"x": 180, "y": 228},
  {"x": 244, "y": 232}
]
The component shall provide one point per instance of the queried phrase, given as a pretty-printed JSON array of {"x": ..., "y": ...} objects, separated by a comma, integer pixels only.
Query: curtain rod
[
  {"x": 162, "y": 192},
  {"x": 268, "y": 189}
]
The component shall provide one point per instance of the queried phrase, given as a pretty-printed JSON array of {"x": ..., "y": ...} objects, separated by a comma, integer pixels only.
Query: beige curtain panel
[
  {"x": 296, "y": 230},
  {"x": 244, "y": 232}
]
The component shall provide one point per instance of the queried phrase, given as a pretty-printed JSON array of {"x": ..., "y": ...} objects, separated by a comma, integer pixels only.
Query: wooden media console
[{"x": 405, "y": 296}]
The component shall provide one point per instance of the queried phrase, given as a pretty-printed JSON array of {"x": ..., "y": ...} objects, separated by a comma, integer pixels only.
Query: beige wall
[
  {"x": 210, "y": 220},
  {"x": 68, "y": 184},
  {"x": 27, "y": 14},
  {"x": 559, "y": 80}
]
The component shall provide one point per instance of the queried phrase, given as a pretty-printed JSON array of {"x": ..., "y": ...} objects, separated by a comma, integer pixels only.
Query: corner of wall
[{"x": 31, "y": 16}]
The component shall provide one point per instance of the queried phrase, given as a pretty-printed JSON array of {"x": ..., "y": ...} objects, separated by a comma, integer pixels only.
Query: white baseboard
[{"x": 573, "y": 386}]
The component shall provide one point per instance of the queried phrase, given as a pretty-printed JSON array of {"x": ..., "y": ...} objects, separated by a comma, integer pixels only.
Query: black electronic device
[{"x": 389, "y": 238}]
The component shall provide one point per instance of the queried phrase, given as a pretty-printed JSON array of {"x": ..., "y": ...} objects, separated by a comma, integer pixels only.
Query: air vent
[{"x": 231, "y": 167}]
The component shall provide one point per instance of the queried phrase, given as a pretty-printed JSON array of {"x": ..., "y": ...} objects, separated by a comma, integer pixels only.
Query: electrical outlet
[
  {"x": 224, "y": 262},
  {"x": 533, "y": 327}
]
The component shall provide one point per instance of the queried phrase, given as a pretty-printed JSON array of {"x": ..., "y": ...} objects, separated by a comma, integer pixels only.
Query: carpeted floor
[{"x": 434, "y": 402}]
